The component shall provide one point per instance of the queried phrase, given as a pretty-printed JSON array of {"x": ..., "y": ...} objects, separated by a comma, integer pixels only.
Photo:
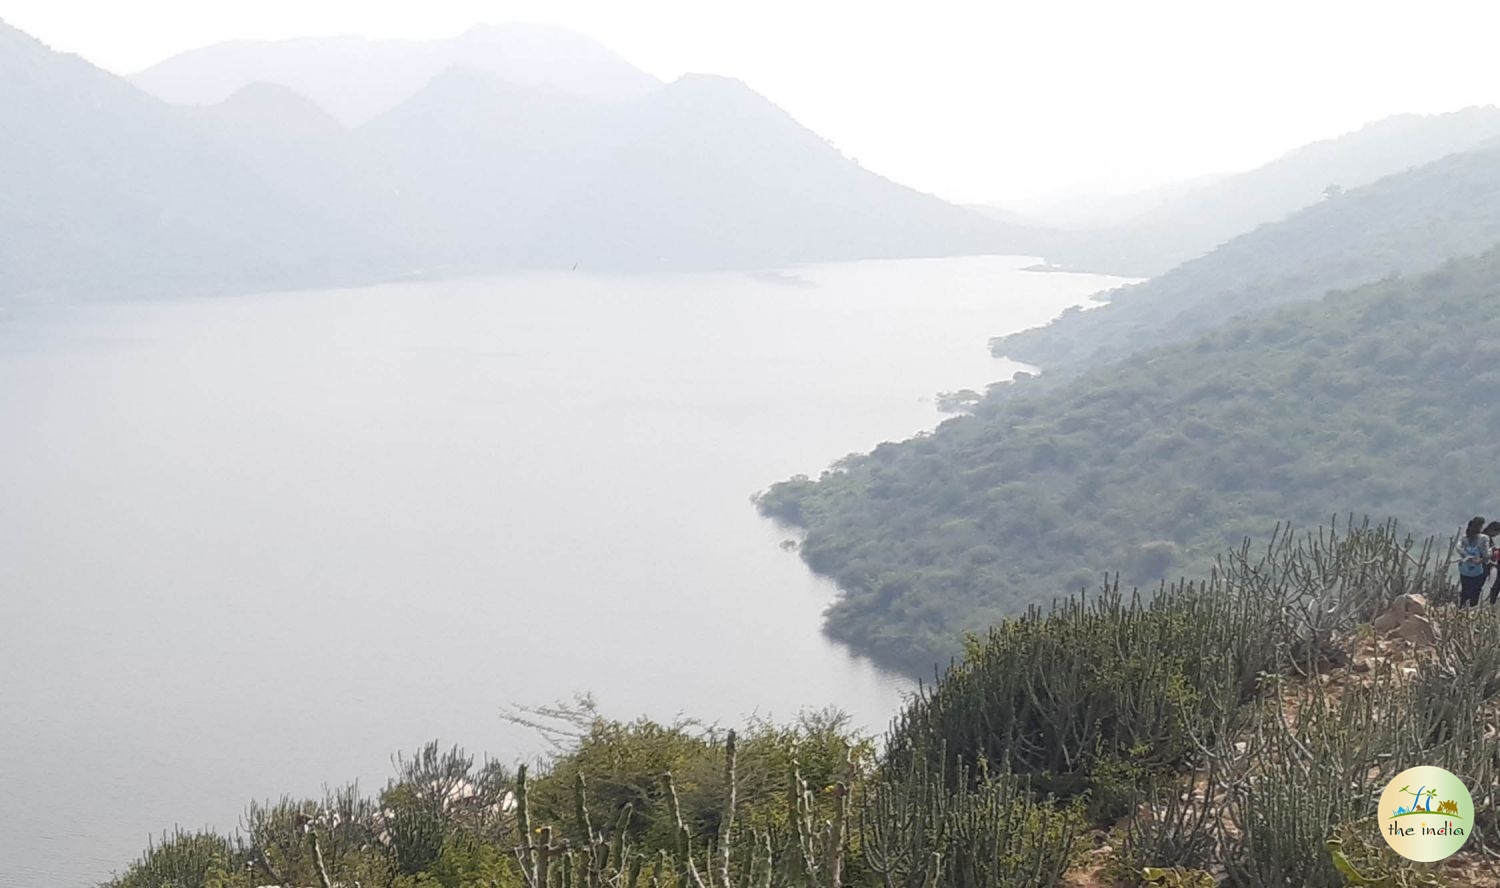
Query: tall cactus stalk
[
  {"x": 687, "y": 870},
  {"x": 544, "y": 854},
  {"x": 580, "y": 809},
  {"x": 526, "y": 854},
  {"x": 726, "y": 819},
  {"x": 838, "y": 838}
]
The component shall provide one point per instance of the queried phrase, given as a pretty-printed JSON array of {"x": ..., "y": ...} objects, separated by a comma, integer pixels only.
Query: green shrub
[
  {"x": 188, "y": 860},
  {"x": 623, "y": 763},
  {"x": 1098, "y": 699},
  {"x": 919, "y": 827},
  {"x": 1089, "y": 699}
]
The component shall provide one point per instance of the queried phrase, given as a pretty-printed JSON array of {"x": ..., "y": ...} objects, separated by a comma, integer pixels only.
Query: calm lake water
[{"x": 251, "y": 546}]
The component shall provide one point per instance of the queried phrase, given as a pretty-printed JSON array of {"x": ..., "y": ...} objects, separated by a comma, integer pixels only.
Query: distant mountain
[
  {"x": 103, "y": 187},
  {"x": 707, "y": 173},
  {"x": 478, "y": 162},
  {"x": 703, "y": 173},
  {"x": 1204, "y": 217},
  {"x": 1096, "y": 211},
  {"x": 1001, "y": 214},
  {"x": 1403, "y": 224},
  {"x": 343, "y": 198},
  {"x": 357, "y": 79}
]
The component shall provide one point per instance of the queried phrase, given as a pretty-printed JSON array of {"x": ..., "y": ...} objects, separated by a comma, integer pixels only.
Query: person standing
[
  {"x": 1475, "y": 551},
  {"x": 1492, "y": 530}
]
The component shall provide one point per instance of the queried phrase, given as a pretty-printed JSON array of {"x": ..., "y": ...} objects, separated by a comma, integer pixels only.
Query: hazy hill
[
  {"x": 108, "y": 188},
  {"x": 345, "y": 201},
  {"x": 103, "y": 187},
  {"x": 478, "y": 161},
  {"x": 708, "y": 173},
  {"x": 356, "y": 79},
  {"x": 1000, "y": 214},
  {"x": 703, "y": 173},
  {"x": 1207, "y": 216},
  {"x": 1407, "y": 222},
  {"x": 1089, "y": 212},
  {"x": 1372, "y": 401}
]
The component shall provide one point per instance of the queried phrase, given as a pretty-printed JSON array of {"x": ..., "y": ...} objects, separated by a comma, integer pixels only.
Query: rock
[
  {"x": 1413, "y": 604},
  {"x": 1417, "y": 628},
  {"x": 1405, "y": 620},
  {"x": 1330, "y": 657}
]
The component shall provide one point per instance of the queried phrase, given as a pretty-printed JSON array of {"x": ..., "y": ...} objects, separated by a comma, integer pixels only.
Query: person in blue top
[{"x": 1475, "y": 551}]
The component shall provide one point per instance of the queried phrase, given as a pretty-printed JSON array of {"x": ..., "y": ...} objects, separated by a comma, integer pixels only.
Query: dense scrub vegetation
[
  {"x": 1239, "y": 751},
  {"x": 1406, "y": 223},
  {"x": 643, "y": 804},
  {"x": 1373, "y": 401},
  {"x": 1231, "y": 754},
  {"x": 446, "y": 819}
]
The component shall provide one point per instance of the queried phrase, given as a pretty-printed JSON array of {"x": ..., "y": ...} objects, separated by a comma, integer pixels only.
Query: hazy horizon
[{"x": 1110, "y": 100}]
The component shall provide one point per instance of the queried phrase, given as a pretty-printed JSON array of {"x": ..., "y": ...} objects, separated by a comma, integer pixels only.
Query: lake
[{"x": 252, "y": 546}]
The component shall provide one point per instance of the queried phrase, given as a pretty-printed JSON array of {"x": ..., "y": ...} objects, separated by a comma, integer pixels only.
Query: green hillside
[
  {"x": 1407, "y": 223},
  {"x": 1381, "y": 400}
]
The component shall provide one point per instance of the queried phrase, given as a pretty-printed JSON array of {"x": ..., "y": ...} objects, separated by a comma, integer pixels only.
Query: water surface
[{"x": 250, "y": 546}]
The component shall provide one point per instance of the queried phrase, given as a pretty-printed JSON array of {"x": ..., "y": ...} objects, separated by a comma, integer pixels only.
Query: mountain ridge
[
  {"x": 709, "y": 162},
  {"x": 1407, "y": 222},
  {"x": 112, "y": 188},
  {"x": 1204, "y": 218},
  {"x": 115, "y": 190},
  {"x": 356, "y": 78}
]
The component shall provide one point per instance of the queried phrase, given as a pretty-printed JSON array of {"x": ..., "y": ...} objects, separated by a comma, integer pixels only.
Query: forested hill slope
[
  {"x": 1379, "y": 400},
  {"x": 1404, "y": 223}
]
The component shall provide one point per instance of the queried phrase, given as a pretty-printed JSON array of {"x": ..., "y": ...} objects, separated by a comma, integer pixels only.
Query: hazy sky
[{"x": 973, "y": 101}]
